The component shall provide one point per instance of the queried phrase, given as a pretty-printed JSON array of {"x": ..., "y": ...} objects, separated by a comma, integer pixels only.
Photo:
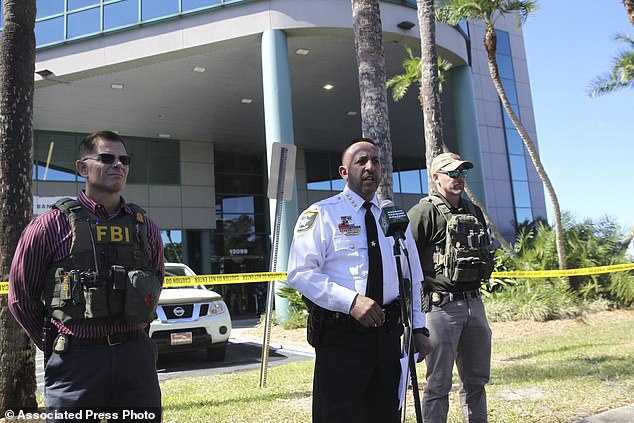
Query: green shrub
[{"x": 589, "y": 243}]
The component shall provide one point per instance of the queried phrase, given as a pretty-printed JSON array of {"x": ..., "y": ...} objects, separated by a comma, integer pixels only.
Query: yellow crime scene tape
[
  {"x": 569, "y": 272},
  {"x": 224, "y": 279},
  {"x": 235, "y": 278},
  {"x": 230, "y": 278}
]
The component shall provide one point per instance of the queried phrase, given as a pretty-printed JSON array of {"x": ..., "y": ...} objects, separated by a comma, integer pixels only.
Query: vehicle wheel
[{"x": 216, "y": 354}]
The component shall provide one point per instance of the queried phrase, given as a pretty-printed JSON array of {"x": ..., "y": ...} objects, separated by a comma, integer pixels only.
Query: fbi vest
[
  {"x": 108, "y": 277},
  {"x": 467, "y": 253}
]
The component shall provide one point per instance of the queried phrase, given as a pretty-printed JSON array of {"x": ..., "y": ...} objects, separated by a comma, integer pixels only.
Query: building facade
[{"x": 201, "y": 89}]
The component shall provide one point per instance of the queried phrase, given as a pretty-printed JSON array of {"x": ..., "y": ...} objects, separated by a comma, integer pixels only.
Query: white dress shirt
[{"x": 328, "y": 261}]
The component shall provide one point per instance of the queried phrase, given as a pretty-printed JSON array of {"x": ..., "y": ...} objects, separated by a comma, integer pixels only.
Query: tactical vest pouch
[
  {"x": 141, "y": 296},
  {"x": 116, "y": 290},
  {"x": 96, "y": 302},
  {"x": 467, "y": 255}
]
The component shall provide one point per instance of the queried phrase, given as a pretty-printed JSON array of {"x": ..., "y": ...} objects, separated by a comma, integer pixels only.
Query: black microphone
[{"x": 394, "y": 222}]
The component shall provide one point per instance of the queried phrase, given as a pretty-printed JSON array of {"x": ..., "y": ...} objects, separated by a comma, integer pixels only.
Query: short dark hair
[
  {"x": 89, "y": 143},
  {"x": 354, "y": 141}
]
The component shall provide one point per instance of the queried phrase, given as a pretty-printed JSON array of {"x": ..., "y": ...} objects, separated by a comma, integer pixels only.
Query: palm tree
[
  {"x": 375, "y": 123},
  {"x": 17, "y": 67},
  {"x": 622, "y": 73},
  {"x": 400, "y": 84},
  {"x": 489, "y": 11},
  {"x": 629, "y": 8},
  {"x": 429, "y": 84}
]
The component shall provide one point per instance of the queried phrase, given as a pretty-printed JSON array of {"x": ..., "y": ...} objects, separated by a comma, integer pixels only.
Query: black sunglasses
[
  {"x": 453, "y": 174},
  {"x": 108, "y": 158}
]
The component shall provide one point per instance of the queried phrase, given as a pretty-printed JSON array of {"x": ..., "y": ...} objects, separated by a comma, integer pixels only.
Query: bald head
[{"x": 361, "y": 168}]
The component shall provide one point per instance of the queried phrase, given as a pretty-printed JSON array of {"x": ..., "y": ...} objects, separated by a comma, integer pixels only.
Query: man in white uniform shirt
[{"x": 346, "y": 270}]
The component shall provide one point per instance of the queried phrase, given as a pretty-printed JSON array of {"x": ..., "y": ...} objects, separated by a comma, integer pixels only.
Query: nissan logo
[{"x": 179, "y": 311}]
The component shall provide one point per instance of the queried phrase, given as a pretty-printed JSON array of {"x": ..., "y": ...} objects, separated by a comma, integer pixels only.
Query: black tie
[{"x": 374, "y": 288}]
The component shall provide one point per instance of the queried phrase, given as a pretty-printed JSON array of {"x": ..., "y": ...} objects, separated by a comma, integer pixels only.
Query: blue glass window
[
  {"x": 120, "y": 14},
  {"x": 78, "y": 4},
  {"x": 317, "y": 170},
  {"x": 163, "y": 162},
  {"x": 464, "y": 25},
  {"x": 508, "y": 123},
  {"x": 338, "y": 184},
  {"x": 423, "y": 175},
  {"x": 54, "y": 155},
  {"x": 238, "y": 205},
  {"x": 505, "y": 66},
  {"x": 514, "y": 142},
  {"x": 137, "y": 148},
  {"x": 396, "y": 182},
  {"x": 49, "y": 31},
  {"x": 521, "y": 194},
  {"x": 84, "y": 22},
  {"x": 158, "y": 8},
  {"x": 523, "y": 214},
  {"x": 504, "y": 42},
  {"x": 509, "y": 89},
  {"x": 197, "y": 4},
  {"x": 410, "y": 182},
  {"x": 518, "y": 168},
  {"x": 319, "y": 185},
  {"x": 48, "y": 8}
]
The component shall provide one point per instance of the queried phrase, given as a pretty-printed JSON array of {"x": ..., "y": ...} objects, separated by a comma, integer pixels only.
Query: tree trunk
[
  {"x": 490, "y": 43},
  {"x": 494, "y": 229},
  {"x": 629, "y": 7},
  {"x": 17, "y": 67},
  {"x": 431, "y": 105},
  {"x": 429, "y": 85},
  {"x": 375, "y": 122}
]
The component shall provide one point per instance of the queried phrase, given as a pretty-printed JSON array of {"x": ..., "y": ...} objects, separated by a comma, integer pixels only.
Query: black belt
[
  {"x": 440, "y": 298},
  {"x": 110, "y": 340}
]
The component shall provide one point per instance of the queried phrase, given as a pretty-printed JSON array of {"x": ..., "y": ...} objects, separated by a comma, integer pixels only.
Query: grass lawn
[{"x": 557, "y": 371}]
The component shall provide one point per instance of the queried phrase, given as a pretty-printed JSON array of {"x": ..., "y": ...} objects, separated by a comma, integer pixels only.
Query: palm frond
[{"x": 621, "y": 74}]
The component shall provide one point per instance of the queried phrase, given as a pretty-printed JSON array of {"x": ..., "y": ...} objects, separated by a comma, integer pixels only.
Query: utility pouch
[
  {"x": 65, "y": 283},
  {"x": 141, "y": 296},
  {"x": 465, "y": 269},
  {"x": 116, "y": 289},
  {"x": 96, "y": 302},
  {"x": 76, "y": 289}
]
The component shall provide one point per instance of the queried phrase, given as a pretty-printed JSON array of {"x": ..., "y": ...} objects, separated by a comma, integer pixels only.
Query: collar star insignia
[{"x": 372, "y": 243}]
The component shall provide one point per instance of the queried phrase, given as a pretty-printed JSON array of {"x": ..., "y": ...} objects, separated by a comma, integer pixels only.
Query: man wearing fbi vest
[{"x": 84, "y": 283}]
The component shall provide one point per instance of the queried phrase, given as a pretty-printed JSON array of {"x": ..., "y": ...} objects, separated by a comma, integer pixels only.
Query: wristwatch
[{"x": 424, "y": 331}]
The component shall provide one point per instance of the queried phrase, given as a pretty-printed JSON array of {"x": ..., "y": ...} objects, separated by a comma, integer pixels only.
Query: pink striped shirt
[{"x": 48, "y": 239}]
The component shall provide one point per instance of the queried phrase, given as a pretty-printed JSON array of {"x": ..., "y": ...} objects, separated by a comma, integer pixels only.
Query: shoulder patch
[{"x": 307, "y": 220}]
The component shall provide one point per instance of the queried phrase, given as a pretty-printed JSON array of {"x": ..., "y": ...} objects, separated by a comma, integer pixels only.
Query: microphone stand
[{"x": 406, "y": 308}]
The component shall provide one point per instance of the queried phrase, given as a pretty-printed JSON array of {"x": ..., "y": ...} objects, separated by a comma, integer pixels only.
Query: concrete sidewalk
[
  {"x": 618, "y": 415},
  {"x": 241, "y": 326}
]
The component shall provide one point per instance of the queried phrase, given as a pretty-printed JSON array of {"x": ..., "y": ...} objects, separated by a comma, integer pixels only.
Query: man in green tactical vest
[{"x": 456, "y": 256}]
